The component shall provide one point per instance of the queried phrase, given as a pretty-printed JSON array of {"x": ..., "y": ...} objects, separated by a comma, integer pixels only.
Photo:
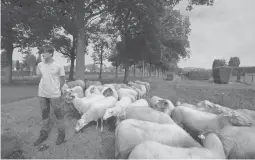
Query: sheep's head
[
  {"x": 73, "y": 96},
  {"x": 161, "y": 105},
  {"x": 109, "y": 113},
  {"x": 80, "y": 124},
  {"x": 236, "y": 119},
  {"x": 108, "y": 92}
]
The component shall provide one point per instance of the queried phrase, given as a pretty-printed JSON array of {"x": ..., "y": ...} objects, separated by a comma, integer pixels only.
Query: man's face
[{"x": 46, "y": 55}]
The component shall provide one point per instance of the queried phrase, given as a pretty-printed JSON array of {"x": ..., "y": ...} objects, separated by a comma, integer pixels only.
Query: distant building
[{"x": 246, "y": 74}]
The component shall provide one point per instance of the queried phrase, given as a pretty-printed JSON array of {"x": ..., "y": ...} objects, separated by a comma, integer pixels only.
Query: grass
[{"x": 21, "y": 121}]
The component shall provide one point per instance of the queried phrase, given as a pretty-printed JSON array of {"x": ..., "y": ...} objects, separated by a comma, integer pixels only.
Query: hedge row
[
  {"x": 199, "y": 75},
  {"x": 221, "y": 75}
]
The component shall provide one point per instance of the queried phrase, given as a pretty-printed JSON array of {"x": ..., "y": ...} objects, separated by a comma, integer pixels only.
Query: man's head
[{"x": 47, "y": 52}]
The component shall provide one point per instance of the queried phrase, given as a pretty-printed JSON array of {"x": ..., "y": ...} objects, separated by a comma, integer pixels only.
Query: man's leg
[
  {"x": 59, "y": 110},
  {"x": 45, "y": 108}
]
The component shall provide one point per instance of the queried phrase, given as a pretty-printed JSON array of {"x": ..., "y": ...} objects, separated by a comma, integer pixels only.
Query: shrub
[
  {"x": 221, "y": 75},
  {"x": 199, "y": 75}
]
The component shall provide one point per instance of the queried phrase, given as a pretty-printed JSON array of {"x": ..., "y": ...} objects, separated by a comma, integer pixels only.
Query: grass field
[{"x": 21, "y": 119}]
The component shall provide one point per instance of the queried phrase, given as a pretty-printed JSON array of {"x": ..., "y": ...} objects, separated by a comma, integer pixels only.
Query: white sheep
[
  {"x": 132, "y": 132},
  {"x": 249, "y": 114},
  {"x": 238, "y": 142},
  {"x": 142, "y": 91},
  {"x": 91, "y": 89},
  {"x": 212, "y": 149},
  {"x": 139, "y": 92},
  {"x": 89, "y": 83},
  {"x": 135, "y": 85},
  {"x": 119, "y": 108},
  {"x": 145, "y": 113},
  {"x": 144, "y": 83},
  {"x": 83, "y": 104},
  {"x": 154, "y": 100},
  {"x": 80, "y": 83},
  {"x": 165, "y": 106},
  {"x": 110, "y": 91},
  {"x": 122, "y": 94},
  {"x": 129, "y": 91},
  {"x": 195, "y": 121},
  {"x": 96, "y": 111}
]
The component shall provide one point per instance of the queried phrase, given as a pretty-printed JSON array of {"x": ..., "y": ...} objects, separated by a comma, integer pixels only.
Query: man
[{"x": 52, "y": 78}]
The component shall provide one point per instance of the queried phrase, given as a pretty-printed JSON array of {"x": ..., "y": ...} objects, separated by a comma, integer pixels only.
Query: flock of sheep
[{"x": 155, "y": 128}]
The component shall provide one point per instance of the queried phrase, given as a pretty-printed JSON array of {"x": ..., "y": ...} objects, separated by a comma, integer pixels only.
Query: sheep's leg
[{"x": 102, "y": 123}]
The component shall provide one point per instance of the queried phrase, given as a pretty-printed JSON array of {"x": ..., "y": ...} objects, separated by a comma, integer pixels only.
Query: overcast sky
[{"x": 220, "y": 31}]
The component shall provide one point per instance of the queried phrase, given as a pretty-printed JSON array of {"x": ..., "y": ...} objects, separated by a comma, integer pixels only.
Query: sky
[
  {"x": 224, "y": 30},
  {"x": 221, "y": 31}
]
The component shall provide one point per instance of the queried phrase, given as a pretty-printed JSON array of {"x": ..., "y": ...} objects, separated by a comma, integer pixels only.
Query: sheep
[
  {"x": 238, "y": 142},
  {"x": 147, "y": 85},
  {"x": 129, "y": 91},
  {"x": 146, "y": 114},
  {"x": 83, "y": 104},
  {"x": 135, "y": 85},
  {"x": 165, "y": 106},
  {"x": 210, "y": 107},
  {"x": 110, "y": 91},
  {"x": 118, "y": 109},
  {"x": 64, "y": 88},
  {"x": 132, "y": 132},
  {"x": 89, "y": 83},
  {"x": 249, "y": 114},
  {"x": 154, "y": 100},
  {"x": 96, "y": 111},
  {"x": 91, "y": 89},
  {"x": 213, "y": 149},
  {"x": 122, "y": 94},
  {"x": 139, "y": 92},
  {"x": 217, "y": 109},
  {"x": 195, "y": 121},
  {"x": 80, "y": 83},
  {"x": 142, "y": 91}
]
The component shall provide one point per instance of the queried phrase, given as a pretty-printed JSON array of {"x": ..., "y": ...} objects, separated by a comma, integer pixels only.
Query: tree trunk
[
  {"x": 8, "y": 73},
  {"x": 143, "y": 70},
  {"x": 150, "y": 70},
  {"x": 116, "y": 74},
  {"x": 101, "y": 64},
  {"x": 72, "y": 57},
  {"x": 80, "y": 47},
  {"x": 31, "y": 70},
  {"x": 126, "y": 73},
  {"x": 134, "y": 70},
  {"x": 71, "y": 73}
]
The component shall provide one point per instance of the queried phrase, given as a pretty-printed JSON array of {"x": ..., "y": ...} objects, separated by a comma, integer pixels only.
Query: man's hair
[{"x": 48, "y": 48}]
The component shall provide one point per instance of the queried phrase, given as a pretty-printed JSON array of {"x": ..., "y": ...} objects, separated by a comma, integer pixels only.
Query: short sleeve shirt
[{"x": 49, "y": 86}]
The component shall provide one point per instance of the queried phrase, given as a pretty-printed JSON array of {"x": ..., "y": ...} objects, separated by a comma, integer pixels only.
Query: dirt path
[{"x": 21, "y": 125}]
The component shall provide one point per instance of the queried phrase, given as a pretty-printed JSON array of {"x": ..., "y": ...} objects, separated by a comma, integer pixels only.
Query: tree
[
  {"x": 234, "y": 62},
  {"x": 218, "y": 63},
  {"x": 29, "y": 60},
  {"x": 22, "y": 25},
  {"x": 66, "y": 46},
  {"x": 17, "y": 65},
  {"x": 4, "y": 62},
  {"x": 100, "y": 52}
]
